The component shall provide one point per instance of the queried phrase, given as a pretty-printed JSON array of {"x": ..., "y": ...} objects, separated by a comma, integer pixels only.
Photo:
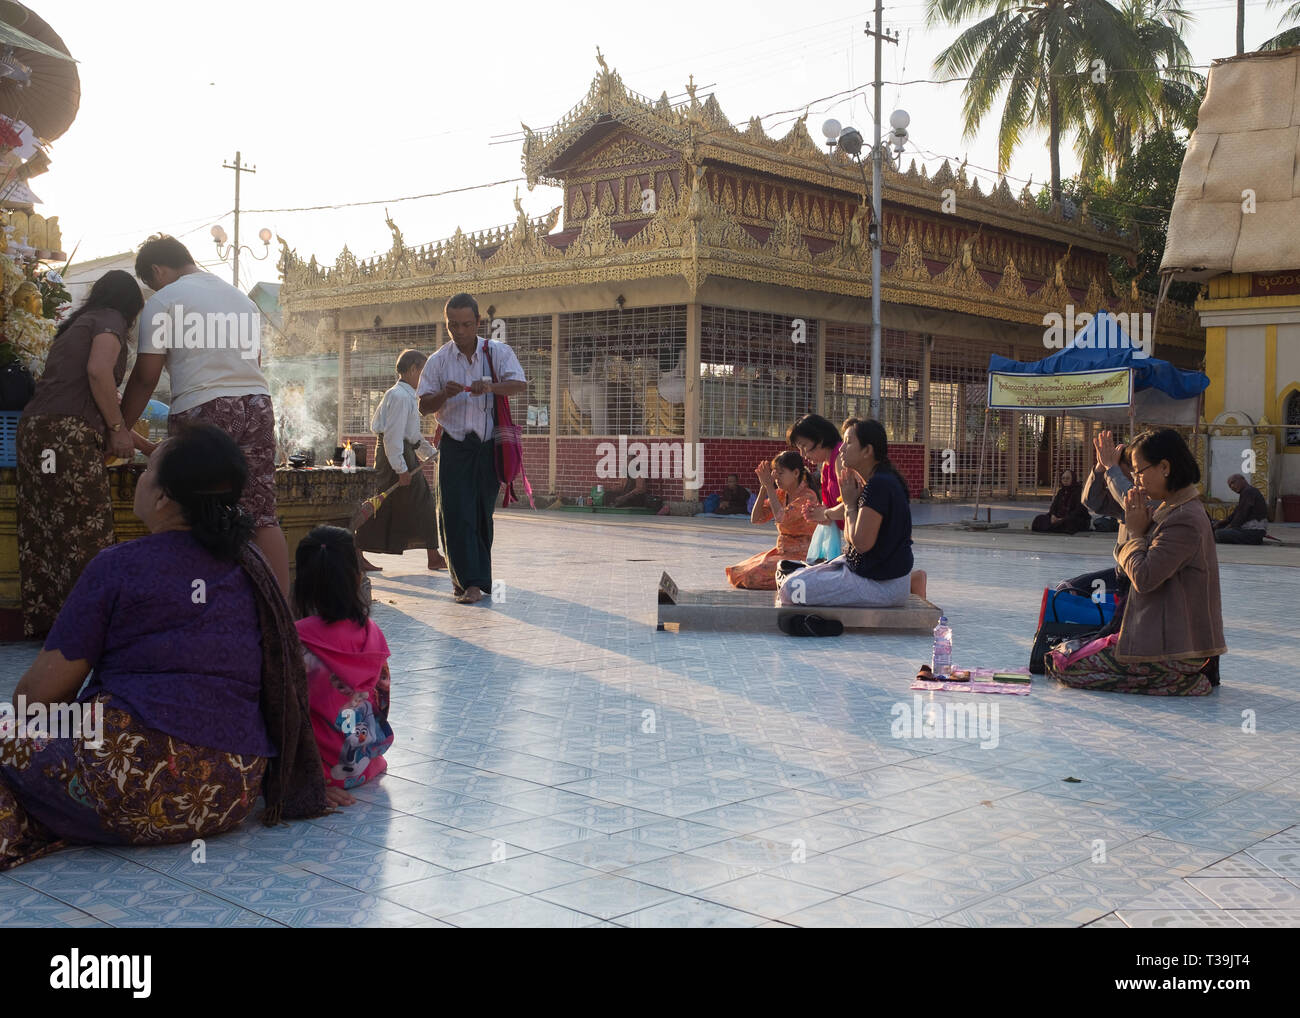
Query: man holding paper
[{"x": 457, "y": 387}]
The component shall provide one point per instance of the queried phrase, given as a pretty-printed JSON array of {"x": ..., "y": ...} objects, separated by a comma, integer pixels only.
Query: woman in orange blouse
[{"x": 786, "y": 488}]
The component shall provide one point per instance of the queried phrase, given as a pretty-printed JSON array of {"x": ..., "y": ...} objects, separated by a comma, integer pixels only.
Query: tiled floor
[{"x": 561, "y": 763}]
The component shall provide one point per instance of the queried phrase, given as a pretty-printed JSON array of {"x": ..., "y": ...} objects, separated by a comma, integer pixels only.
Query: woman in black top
[
  {"x": 875, "y": 570},
  {"x": 1067, "y": 514}
]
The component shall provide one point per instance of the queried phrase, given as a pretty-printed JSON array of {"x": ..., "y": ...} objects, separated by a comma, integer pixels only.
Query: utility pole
[
  {"x": 240, "y": 168},
  {"x": 874, "y": 232}
]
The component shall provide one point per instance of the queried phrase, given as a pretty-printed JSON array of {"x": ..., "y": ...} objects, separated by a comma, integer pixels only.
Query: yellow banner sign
[{"x": 1078, "y": 390}]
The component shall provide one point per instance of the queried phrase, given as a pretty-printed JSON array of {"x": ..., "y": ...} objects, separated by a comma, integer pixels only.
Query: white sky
[{"x": 346, "y": 102}]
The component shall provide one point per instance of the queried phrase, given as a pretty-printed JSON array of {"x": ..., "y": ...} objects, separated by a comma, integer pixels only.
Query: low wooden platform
[{"x": 752, "y": 611}]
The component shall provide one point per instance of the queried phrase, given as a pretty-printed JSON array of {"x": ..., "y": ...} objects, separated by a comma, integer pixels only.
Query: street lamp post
[
  {"x": 850, "y": 140},
  {"x": 219, "y": 235},
  {"x": 231, "y": 252}
]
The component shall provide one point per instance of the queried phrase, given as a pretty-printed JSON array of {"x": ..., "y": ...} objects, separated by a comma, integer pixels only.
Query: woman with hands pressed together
[
  {"x": 875, "y": 570},
  {"x": 819, "y": 443},
  {"x": 1173, "y": 622},
  {"x": 785, "y": 491}
]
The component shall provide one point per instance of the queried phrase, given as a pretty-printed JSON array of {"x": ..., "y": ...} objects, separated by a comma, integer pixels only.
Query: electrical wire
[{"x": 387, "y": 201}]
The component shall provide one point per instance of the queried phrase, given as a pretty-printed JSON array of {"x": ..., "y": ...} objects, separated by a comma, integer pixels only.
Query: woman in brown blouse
[{"x": 65, "y": 511}]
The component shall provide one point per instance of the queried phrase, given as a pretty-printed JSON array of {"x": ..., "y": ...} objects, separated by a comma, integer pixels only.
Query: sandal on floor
[
  {"x": 926, "y": 674},
  {"x": 810, "y": 625}
]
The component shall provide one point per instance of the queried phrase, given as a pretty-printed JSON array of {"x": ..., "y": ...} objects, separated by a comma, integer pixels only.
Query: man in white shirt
[
  {"x": 456, "y": 386},
  {"x": 208, "y": 336},
  {"x": 408, "y": 518}
]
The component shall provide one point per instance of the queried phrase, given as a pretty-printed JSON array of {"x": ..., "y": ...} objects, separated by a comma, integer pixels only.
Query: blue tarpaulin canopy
[{"x": 1163, "y": 394}]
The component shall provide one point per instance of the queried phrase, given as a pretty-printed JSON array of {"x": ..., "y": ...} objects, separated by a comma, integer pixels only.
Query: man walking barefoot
[{"x": 456, "y": 386}]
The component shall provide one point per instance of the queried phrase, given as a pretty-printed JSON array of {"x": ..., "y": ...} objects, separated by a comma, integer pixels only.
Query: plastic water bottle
[{"x": 941, "y": 660}]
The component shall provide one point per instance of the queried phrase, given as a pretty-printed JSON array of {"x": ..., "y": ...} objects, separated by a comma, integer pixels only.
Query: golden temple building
[
  {"x": 710, "y": 284},
  {"x": 1233, "y": 226}
]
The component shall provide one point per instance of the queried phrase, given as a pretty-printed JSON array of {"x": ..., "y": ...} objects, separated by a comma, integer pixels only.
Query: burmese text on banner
[{"x": 1067, "y": 390}]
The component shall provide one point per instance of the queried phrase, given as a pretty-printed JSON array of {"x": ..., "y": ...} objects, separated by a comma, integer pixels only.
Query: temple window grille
[
  {"x": 530, "y": 338},
  {"x": 755, "y": 380},
  {"x": 848, "y": 379},
  {"x": 622, "y": 372},
  {"x": 370, "y": 369},
  {"x": 1292, "y": 418}
]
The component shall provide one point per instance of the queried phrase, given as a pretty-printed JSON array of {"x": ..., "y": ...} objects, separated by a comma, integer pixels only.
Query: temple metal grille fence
[
  {"x": 755, "y": 379},
  {"x": 530, "y": 338},
  {"x": 848, "y": 379},
  {"x": 623, "y": 372},
  {"x": 370, "y": 368}
]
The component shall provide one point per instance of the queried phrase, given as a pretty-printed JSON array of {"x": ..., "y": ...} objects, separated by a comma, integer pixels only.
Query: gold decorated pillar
[
  {"x": 692, "y": 436},
  {"x": 819, "y": 378},
  {"x": 554, "y": 396},
  {"x": 1013, "y": 455},
  {"x": 927, "y": 351}
]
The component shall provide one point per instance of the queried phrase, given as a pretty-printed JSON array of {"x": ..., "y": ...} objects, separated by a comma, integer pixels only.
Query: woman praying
[
  {"x": 1173, "y": 619},
  {"x": 875, "y": 570},
  {"x": 785, "y": 491},
  {"x": 819, "y": 443}
]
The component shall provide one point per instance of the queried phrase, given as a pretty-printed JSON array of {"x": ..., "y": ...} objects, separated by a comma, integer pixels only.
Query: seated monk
[
  {"x": 193, "y": 694},
  {"x": 735, "y": 499},
  {"x": 1249, "y": 521},
  {"x": 1172, "y": 627},
  {"x": 785, "y": 489}
]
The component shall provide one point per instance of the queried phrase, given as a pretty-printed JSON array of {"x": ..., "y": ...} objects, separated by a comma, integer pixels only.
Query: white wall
[
  {"x": 80, "y": 279},
  {"x": 1244, "y": 385}
]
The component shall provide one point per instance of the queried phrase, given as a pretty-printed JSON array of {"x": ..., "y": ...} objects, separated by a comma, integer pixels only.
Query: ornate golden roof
[
  {"x": 704, "y": 134},
  {"x": 693, "y": 234}
]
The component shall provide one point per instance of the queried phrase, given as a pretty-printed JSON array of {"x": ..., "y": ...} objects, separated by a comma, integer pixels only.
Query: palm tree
[
  {"x": 1158, "y": 91},
  {"x": 1041, "y": 53},
  {"x": 1289, "y": 36}
]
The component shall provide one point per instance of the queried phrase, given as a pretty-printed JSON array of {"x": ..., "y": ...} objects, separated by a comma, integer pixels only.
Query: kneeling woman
[
  {"x": 1173, "y": 623},
  {"x": 786, "y": 491},
  {"x": 875, "y": 569},
  {"x": 199, "y": 689}
]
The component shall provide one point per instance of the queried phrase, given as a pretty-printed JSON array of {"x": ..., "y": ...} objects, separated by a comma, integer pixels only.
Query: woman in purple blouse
[{"x": 197, "y": 701}]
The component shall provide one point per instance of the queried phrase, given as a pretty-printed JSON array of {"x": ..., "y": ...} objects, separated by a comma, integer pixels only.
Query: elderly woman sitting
[
  {"x": 1067, "y": 514},
  {"x": 198, "y": 685},
  {"x": 1173, "y": 624}
]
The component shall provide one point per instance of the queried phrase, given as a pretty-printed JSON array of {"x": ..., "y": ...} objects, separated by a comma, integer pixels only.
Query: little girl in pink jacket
[{"x": 347, "y": 663}]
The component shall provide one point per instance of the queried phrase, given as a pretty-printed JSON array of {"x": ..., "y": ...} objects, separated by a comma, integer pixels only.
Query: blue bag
[{"x": 1067, "y": 606}]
